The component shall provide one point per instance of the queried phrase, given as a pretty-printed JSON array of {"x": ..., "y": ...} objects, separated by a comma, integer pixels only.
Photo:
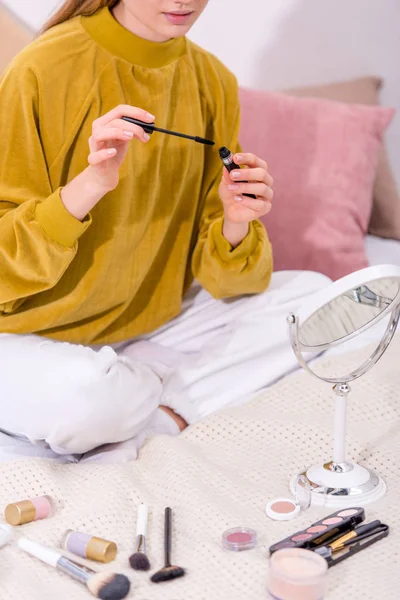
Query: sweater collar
[{"x": 111, "y": 35}]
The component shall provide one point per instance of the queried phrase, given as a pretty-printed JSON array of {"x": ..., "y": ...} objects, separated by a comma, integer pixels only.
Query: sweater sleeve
[
  {"x": 222, "y": 270},
  {"x": 38, "y": 236}
]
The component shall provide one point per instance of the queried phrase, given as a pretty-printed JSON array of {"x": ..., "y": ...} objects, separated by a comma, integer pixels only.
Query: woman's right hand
[
  {"x": 108, "y": 145},
  {"x": 110, "y": 141}
]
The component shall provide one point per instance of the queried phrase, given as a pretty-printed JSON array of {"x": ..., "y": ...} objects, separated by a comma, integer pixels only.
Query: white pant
[{"x": 215, "y": 354}]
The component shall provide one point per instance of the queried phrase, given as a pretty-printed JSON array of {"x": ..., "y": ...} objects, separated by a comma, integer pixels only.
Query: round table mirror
[{"x": 345, "y": 309}]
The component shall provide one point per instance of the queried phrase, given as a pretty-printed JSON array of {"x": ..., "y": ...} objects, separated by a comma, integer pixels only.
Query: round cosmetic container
[
  {"x": 89, "y": 546},
  {"x": 239, "y": 538},
  {"x": 286, "y": 509},
  {"x": 297, "y": 574},
  {"x": 27, "y": 511}
]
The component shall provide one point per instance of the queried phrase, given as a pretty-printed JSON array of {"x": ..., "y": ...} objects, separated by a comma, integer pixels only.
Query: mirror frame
[
  {"x": 362, "y": 369},
  {"x": 338, "y": 288}
]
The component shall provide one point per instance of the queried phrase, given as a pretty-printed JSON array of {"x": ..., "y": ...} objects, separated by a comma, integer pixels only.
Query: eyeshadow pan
[
  {"x": 348, "y": 513},
  {"x": 283, "y": 507},
  {"x": 316, "y": 529},
  {"x": 302, "y": 537},
  {"x": 332, "y": 521}
]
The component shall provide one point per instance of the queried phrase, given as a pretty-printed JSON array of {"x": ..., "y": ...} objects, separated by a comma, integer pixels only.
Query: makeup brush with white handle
[
  {"x": 106, "y": 586},
  {"x": 139, "y": 560}
]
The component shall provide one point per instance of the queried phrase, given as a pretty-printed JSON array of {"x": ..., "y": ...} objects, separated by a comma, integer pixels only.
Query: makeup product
[
  {"x": 239, "y": 539},
  {"x": 297, "y": 574},
  {"x": 345, "y": 546},
  {"x": 227, "y": 158},
  {"x": 27, "y": 511},
  {"x": 150, "y": 128},
  {"x": 6, "y": 535},
  {"x": 323, "y": 531},
  {"x": 358, "y": 531},
  {"x": 107, "y": 586},
  {"x": 169, "y": 571},
  {"x": 285, "y": 509},
  {"x": 139, "y": 560},
  {"x": 88, "y": 546}
]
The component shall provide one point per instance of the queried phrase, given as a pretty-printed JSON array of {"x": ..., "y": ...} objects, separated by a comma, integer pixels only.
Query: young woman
[{"x": 104, "y": 336}]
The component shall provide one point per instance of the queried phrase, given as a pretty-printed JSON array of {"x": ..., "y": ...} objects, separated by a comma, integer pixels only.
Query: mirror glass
[{"x": 349, "y": 313}]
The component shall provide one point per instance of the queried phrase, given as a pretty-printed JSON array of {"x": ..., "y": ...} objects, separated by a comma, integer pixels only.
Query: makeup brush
[
  {"x": 362, "y": 530},
  {"x": 106, "y": 586},
  {"x": 372, "y": 532},
  {"x": 150, "y": 127},
  {"x": 168, "y": 572},
  {"x": 139, "y": 560}
]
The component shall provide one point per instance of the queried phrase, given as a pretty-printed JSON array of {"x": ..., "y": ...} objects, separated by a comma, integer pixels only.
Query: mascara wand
[{"x": 150, "y": 128}]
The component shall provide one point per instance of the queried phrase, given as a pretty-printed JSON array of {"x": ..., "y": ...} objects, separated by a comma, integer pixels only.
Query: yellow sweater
[{"x": 121, "y": 272}]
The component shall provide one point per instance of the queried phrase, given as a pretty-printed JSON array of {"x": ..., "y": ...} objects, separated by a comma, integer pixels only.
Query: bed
[{"x": 219, "y": 474}]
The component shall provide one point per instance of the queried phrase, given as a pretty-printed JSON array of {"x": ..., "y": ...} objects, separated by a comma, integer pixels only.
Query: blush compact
[
  {"x": 286, "y": 509},
  {"x": 239, "y": 539},
  {"x": 282, "y": 509}
]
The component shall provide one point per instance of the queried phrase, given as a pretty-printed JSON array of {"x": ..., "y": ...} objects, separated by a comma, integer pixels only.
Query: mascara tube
[{"x": 227, "y": 158}]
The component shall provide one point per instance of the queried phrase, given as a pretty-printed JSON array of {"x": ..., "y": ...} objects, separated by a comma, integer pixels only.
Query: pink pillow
[{"x": 323, "y": 157}]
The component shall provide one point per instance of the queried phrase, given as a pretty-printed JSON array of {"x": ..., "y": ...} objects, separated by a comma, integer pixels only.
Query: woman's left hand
[{"x": 239, "y": 208}]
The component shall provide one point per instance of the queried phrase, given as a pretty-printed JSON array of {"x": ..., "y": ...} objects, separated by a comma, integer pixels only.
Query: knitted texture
[{"x": 217, "y": 475}]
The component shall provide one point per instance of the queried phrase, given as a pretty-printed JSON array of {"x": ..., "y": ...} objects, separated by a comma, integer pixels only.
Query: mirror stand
[{"x": 338, "y": 481}]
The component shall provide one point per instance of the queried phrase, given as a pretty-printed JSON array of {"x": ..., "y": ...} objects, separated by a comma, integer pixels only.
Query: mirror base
[{"x": 358, "y": 487}]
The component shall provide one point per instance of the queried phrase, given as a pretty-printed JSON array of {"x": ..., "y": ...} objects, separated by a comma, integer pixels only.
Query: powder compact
[
  {"x": 285, "y": 509},
  {"x": 330, "y": 528},
  {"x": 239, "y": 538},
  {"x": 297, "y": 574}
]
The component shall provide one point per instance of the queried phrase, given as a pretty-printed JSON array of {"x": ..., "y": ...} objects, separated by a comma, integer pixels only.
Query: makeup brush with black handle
[{"x": 168, "y": 572}]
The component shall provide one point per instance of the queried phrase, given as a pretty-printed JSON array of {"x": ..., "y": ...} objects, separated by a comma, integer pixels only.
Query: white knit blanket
[{"x": 220, "y": 474}]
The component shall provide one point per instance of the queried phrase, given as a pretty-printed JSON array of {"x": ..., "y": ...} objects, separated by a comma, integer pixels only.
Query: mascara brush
[
  {"x": 106, "y": 586},
  {"x": 150, "y": 128},
  {"x": 139, "y": 560},
  {"x": 168, "y": 572}
]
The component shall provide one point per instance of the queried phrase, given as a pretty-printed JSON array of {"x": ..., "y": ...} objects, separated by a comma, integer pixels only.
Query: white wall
[
  {"x": 33, "y": 12},
  {"x": 278, "y": 44}
]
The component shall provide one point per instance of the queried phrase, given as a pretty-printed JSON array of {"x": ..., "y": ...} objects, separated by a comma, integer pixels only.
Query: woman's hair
[{"x": 75, "y": 8}]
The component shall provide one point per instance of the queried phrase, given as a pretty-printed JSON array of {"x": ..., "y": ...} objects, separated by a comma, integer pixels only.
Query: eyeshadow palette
[{"x": 330, "y": 528}]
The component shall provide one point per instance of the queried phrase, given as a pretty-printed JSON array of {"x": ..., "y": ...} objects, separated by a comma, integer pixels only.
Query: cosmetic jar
[
  {"x": 27, "y": 511},
  {"x": 297, "y": 574},
  {"x": 89, "y": 546},
  {"x": 286, "y": 509},
  {"x": 239, "y": 538}
]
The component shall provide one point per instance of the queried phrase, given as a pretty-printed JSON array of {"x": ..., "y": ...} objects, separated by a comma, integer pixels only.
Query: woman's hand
[
  {"x": 240, "y": 210},
  {"x": 110, "y": 141},
  {"x": 108, "y": 146}
]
